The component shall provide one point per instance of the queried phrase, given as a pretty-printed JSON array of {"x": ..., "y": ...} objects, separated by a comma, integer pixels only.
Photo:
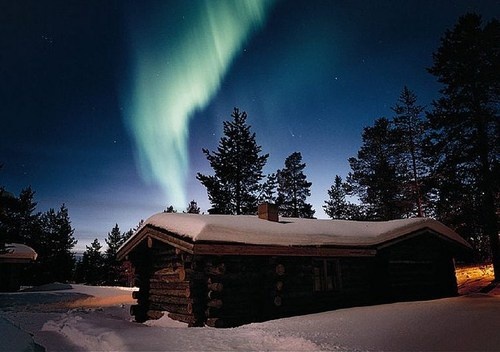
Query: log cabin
[
  {"x": 228, "y": 270},
  {"x": 14, "y": 257}
]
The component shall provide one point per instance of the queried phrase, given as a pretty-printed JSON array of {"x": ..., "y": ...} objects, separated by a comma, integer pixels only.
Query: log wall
[
  {"x": 168, "y": 282},
  {"x": 231, "y": 290},
  {"x": 418, "y": 268},
  {"x": 227, "y": 291}
]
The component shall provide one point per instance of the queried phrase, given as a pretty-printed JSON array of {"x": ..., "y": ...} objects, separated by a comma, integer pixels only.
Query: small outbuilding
[
  {"x": 227, "y": 270},
  {"x": 13, "y": 259}
]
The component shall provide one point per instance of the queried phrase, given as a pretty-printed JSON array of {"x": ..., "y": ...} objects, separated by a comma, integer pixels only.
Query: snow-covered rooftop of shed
[
  {"x": 249, "y": 229},
  {"x": 18, "y": 251}
]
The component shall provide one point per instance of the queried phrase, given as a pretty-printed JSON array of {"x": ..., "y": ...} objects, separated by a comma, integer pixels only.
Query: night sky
[{"x": 106, "y": 105}]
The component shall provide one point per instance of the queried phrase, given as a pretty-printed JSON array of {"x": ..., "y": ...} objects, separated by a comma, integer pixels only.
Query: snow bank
[
  {"x": 14, "y": 339},
  {"x": 166, "y": 322},
  {"x": 54, "y": 286},
  {"x": 86, "y": 333},
  {"x": 468, "y": 323},
  {"x": 97, "y": 331},
  {"x": 451, "y": 324}
]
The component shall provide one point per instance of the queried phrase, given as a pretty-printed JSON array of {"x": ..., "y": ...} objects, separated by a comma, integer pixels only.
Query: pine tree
[
  {"x": 139, "y": 225},
  {"x": 27, "y": 218},
  {"x": 337, "y": 206},
  {"x": 269, "y": 189},
  {"x": 113, "y": 267},
  {"x": 91, "y": 270},
  {"x": 128, "y": 234},
  {"x": 193, "y": 208},
  {"x": 113, "y": 241},
  {"x": 410, "y": 133},
  {"x": 293, "y": 188},
  {"x": 7, "y": 202},
  {"x": 9, "y": 206},
  {"x": 466, "y": 129},
  {"x": 53, "y": 240},
  {"x": 17, "y": 217},
  {"x": 237, "y": 165},
  {"x": 170, "y": 209},
  {"x": 376, "y": 176}
]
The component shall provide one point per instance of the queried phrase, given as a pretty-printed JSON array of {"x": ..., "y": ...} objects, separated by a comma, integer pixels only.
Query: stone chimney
[{"x": 268, "y": 211}]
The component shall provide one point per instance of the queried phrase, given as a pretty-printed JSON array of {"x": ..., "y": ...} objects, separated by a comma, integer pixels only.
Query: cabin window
[{"x": 326, "y": 275}]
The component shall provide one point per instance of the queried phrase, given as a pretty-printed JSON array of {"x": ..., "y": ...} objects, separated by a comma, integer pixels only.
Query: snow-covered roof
[
  {"x": 17, "y": 252},
  {"x": 246, "y": 229}
]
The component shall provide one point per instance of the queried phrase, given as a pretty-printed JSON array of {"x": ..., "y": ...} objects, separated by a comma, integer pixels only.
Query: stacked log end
[
  {"x": 292, "y": 287},
  {"x": 214, "y": 291},
  {"x": 218, "y": 291},
  {"x": 279, "y": 284},
  {"x": 172, "y": 287},
  {"x": 237, "y": 290}
]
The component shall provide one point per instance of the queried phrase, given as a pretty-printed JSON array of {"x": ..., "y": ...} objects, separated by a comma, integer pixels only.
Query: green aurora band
[{"x": 180, "y": 55}]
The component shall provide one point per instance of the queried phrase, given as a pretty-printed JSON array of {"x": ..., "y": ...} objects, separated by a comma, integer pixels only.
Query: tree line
[
  {"x": 102, "y": 268},
  {"x": 238, "y": 183},
  {"x": 51, "y": 235},
  {"x": 441, "y": 163}
]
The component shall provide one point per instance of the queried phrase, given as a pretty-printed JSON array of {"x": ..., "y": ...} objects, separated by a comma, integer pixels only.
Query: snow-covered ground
[{"x": 97, "y": 319}]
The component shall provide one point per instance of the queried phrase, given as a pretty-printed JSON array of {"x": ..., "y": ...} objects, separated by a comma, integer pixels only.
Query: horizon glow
[{"x": 180, "y": 56}]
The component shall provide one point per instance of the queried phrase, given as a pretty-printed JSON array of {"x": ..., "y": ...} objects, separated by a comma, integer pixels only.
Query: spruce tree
[
  {"x": 465, "y": 129},
  {"x": 139, "y": 225},
  {"x": 170, "y": 209},
  {"x": 113, "y": 267},
  {"x": 26, "y": 218},
  {"x": 128, "y": 234},
  {"x": 337, "y": 206},
  {"x": 237, "y": 164},
  {"x": 377, "y": 176},
  {"x": 8, "y": 202},
  {"x": 193, "y": 208},
  {"x": 293, "y": 188},
  {"x": 53, "y": 240},
  {"x": 269, "y": 189},
  {"x": 17, "y": 216},
  {"x": 91, "y": 270},
  {"x": 9, "y": 206},
  {"x": 410, "y": 133},
  {"x": 113, "y": 241}
]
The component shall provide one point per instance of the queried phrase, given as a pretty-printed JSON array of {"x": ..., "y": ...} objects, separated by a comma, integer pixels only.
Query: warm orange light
[{"x": 471, "y": 279}]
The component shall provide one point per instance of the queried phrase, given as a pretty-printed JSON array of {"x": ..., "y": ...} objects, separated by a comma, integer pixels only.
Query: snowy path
[{"x": 469, "y": 323}]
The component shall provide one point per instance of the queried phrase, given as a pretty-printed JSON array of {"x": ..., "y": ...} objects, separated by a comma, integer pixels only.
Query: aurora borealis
[
  {"x": 107, "y": 104},
  {"x": 177, "y": 69}
]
